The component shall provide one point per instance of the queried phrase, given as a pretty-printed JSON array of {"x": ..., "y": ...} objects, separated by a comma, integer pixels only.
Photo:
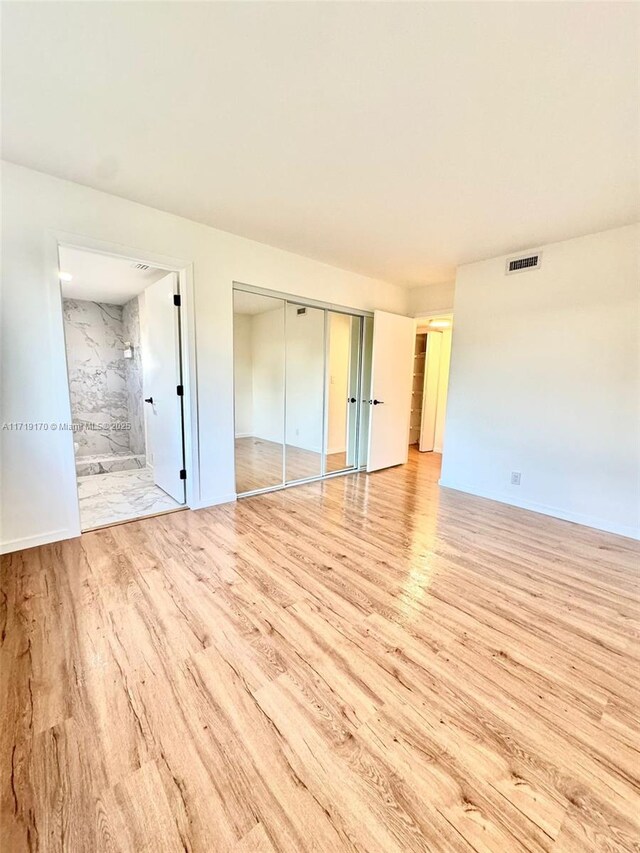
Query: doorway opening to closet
[
  {"x": 431, "y": 361},
  {"x": 122, "y": 331},
  {"x": 301, "y": 390}
]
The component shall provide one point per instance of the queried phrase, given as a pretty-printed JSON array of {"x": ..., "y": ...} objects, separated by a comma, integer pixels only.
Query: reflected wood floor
[
  {"x": 370, "y": 663},
  {"x": 259, "y": 463}
]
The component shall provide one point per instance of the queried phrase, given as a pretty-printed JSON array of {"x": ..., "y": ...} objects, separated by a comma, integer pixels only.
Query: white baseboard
[
  {"x": 331, "y": 450},
  {"x": 34, "y": 541},
  {"x": 64, "y": 533},
  {"x": 554, "y": 512}
]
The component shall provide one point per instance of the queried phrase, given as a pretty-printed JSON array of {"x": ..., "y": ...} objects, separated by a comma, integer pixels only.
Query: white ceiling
[
  {"x": 103, "y": 278},
  {"x": 395, "y": 139}
]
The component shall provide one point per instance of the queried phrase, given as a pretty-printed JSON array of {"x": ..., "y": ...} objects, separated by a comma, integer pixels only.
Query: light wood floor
[
  {"x": 259, "y": 463},
  {"x": 368, "y": 663}
]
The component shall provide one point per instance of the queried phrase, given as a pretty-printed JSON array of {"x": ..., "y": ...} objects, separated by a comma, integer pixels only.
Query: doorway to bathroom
[{"x": 122, "y": 329}]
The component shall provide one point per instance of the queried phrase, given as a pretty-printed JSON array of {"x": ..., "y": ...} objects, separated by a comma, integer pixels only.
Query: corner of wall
[{"x": 431, "y": 298}]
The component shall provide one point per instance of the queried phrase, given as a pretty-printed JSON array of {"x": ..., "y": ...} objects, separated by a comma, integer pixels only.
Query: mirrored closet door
[
  {"x": 298, "y": 380},
  {"x": 343, "y": 390},
  {"x": 304, "y": 391},
  {"x": 259, "y": 390}
]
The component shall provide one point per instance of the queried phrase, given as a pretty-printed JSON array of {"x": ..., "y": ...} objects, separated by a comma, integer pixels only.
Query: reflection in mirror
[
  {"x": 343, "y": 379},
  {"x": 258, "y": 349},
  {"x": 304, "y": 391}
]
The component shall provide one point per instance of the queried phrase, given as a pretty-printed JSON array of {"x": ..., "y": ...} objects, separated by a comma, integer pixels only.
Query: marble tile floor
[{"x": 121, "y": 496}]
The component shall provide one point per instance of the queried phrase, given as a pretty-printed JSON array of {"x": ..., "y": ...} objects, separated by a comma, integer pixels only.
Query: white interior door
[
  {"x": 162, "y": 377},
  {"x": 430, "y": 395},
  {"x": 391, "y": 384}
]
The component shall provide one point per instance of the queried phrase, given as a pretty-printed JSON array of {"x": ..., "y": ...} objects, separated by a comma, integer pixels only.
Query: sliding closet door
[
  {"x": 259, "y": 377},
  {"x": 299, "y": 384},
  {"x": 304, "y": 389},
  {"x": 343, "y": 391}
]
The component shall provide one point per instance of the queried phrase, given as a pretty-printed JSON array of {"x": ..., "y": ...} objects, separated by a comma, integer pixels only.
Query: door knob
[
  {"x": 148, "y": 399},
  {"x": 378, "y": 402},
  {"x": 351, "y": 400}
]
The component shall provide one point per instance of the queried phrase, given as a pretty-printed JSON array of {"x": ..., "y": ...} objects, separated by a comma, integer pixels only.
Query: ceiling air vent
[
  {"x": 523, "y": 263},
  {"x": 140, "y": 267}
]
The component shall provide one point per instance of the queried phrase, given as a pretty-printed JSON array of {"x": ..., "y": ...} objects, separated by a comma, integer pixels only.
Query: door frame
[
  {"x": 186, "y": 327},
  {"x": 175, "y": 304},
  {"x": 430, "y": 352},
  {"x": 378, "y": 315},
  {"x": 325, "y": 306},
  {"x": 428, "y": 316}
]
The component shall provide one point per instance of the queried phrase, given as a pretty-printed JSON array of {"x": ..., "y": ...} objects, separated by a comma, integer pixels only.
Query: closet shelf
[{"x": 417, "y": 393}]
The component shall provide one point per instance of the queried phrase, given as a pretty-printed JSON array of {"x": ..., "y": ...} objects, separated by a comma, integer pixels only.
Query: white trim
[
  {"x": 554, "y": 512},
  {"x": 193, "y": 493},
  {"x": 40, "y": 539},
  {"x": 105, "y": 247},
  {"x": 302, "y": 301}
]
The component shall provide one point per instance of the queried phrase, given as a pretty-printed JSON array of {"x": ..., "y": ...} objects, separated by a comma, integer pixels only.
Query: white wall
[
  {"x": 243, "y": 373},
  {"x": 545, "y": 381},
  {"x": 431, "y": 299},
  {"x": 39, "y": 497}
]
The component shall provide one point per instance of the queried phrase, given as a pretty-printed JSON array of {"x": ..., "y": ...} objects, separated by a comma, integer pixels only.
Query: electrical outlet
[{"x": 515, "y": 478}]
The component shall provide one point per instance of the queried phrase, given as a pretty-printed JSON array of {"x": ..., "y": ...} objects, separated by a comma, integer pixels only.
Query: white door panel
[
  {"x": 163, "y": 373},
  {"x": 391, "y": 385},
  {"x": 430, "y": 394}
]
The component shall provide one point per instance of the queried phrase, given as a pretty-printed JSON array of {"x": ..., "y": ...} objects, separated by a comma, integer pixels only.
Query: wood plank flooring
[
  {"x": 369, "y": 664},
  {"x": 259, "y": 463}
]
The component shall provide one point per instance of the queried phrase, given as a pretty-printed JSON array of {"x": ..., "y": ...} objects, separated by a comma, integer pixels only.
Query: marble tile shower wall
[
  {"x": 133, "y": 375},
  {"x": 95, "y": 339}
]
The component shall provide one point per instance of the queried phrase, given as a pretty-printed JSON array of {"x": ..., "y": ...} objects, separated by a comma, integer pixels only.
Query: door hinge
[
  {"x": 183, "y": 474},
  {"x": 180, "y": 390},
  {"x": 176, "y": 300}
]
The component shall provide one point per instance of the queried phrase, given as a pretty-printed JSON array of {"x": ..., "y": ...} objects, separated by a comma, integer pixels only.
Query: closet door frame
[{"x": 292, "y": 299}]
